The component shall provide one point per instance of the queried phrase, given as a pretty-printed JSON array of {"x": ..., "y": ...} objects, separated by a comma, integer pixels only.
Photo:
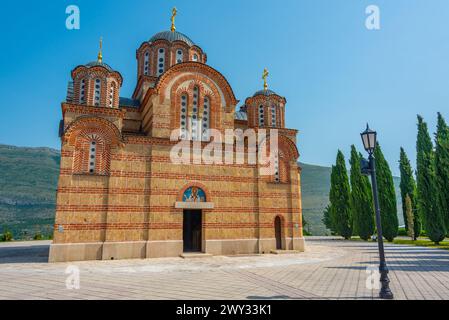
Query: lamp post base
[{"x": 385, "y": 292}]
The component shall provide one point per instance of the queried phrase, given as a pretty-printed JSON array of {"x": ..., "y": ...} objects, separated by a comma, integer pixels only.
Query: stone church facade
[{"x": 121, "y": 196}]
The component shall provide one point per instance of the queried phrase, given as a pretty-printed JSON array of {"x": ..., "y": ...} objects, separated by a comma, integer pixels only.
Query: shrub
[{"x": 6, "y": 236}]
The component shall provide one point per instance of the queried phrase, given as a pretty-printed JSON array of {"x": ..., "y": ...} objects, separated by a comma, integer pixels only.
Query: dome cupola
[
  {"x": 266, "y": 108},
  {"x": 165, "y": 49},
  {"x": 96, "y": 83}
]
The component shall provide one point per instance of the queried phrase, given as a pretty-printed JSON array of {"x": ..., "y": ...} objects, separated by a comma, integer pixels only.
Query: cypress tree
[
  {"x": 387, "y": 196},
  {"x": 339, "y": 197},
  {"x": 327, "y": 219},
  {"x": 410, "y": 217},
  {"x": 442, "y": 168},
  {"x": 408, "y": 188},
  {"x": 361, "y": 199},
  {"x": 426, "y": 185}
]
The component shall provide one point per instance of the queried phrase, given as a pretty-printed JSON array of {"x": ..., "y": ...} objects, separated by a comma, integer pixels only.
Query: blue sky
[{"x": 335, "y": 74}]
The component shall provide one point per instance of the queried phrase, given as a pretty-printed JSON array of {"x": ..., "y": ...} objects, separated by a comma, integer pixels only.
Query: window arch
[
  {"x": 111, "y": 95},
  {"x": 179, "y": 56},
  {"x": 205, "y": 122},
  {"x": 273, "y": 116},
  {"x": 281, "y": 168},
  {"x": 261, "y": 116},
  {"x": 160, "y": 61},
  {"x": 195, "y": 57},
  {"x": 183, "y": 116},
  {"x": 146, "y": 63},
  {"x": 82, "y": 97},
  {"x": 194, "y": 122},
  {"x": 97, "y": 92},
  {"x": 90, "y": 155}
]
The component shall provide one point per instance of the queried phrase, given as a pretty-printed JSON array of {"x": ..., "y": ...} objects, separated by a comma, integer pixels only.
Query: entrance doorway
[
  {"x": 192, "y": 226},
  {"x": 278, "y": 233}
]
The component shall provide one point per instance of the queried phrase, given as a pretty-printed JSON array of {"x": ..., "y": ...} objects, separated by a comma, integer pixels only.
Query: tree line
[{"x": 424, "y": 193}]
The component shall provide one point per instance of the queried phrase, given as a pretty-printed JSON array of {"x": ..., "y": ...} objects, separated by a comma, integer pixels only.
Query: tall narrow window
[
  {"x": 273, "y": 116},
  {"x": 261, "y": 116},
  {"x": 205, "y": 120},
  {"x": 97, "y": 91},
  {"x": 111, "y": 95},
  {"x": 146, "y": 63},
  {"x": 183, "y": 115},
  {"x": 160, "y": 61},
  {"x": 194, "y": 116},
  {"x": 179, "y": 56},
  {"x": 276, "y": 168},
  {"x": 195, "y": 57},
  {"x": 83, "y": 91},
  {"x": 92, "y": 156}
]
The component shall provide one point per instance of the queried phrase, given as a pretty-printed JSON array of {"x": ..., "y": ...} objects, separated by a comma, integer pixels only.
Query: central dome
[{"x": 172, "y": 36}]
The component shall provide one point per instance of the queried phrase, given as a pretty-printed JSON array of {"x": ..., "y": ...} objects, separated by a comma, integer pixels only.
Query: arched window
[
  {"x": 160, "y": 61},
  {"x": 206, "y": 118},
  {"x": 273, "y": 116},
  {"x": 179, "y": 56},
  {"x": 183, "y": 117},
  {"x": 195, "y": 57},
  {"x": 92, "y": 156},
  {"x": 194, "y": 128},
  {"x": 283, "y": 171},
  {"x": 261, "y": 116},
  {"x": 97, "y": 92},
  {"x": 146, "y": 63},
  {"x": 111, "y": 95},
  {"x": 83, "y": 91},
  {"x": 277, "y": 177}
]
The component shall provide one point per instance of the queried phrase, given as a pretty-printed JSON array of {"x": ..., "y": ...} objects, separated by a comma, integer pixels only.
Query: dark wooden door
[
  {"x": 192, "y": 226},
  {"x": 278, "y": 233}
]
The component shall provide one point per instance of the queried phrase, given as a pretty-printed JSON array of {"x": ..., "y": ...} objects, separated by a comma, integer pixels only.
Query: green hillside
[{"x": 28, "y": 181}]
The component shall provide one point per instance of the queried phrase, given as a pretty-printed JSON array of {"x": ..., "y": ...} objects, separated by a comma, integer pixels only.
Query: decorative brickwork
[{"x": 121, "y": 196}]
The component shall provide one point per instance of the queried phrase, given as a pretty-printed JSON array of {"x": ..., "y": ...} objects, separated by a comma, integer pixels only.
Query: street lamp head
[{"x": 369, "y": 138}]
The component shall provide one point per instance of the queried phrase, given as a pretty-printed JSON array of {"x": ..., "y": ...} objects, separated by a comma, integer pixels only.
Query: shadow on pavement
[{"x": 24, "y": 254}]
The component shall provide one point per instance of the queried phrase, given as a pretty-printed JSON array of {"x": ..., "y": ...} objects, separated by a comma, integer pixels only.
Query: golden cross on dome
[
  {"x": 100, "y": 54},
  {"x": 174, "y": 12},
  {"x": 264, "y": 77}
]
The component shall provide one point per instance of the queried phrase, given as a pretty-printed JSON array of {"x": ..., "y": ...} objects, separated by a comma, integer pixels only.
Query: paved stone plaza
[{"x": 329, "y": 269}]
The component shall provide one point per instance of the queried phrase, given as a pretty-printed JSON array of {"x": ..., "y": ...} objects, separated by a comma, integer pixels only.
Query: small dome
[
  {"x": 172, "y": 36},
  {"x": 265, "y": 93},
  {"x": 99, "y": 64}
]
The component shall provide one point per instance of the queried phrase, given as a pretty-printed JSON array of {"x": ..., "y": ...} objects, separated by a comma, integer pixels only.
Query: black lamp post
[{"x": 369, "y": 168}]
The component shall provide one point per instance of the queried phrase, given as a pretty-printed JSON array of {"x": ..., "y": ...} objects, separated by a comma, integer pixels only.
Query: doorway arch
[{"x": 278, "y": 232}]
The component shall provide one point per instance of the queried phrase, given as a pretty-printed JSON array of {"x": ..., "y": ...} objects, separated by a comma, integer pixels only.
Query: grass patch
[{"x": 423, "y": 243}]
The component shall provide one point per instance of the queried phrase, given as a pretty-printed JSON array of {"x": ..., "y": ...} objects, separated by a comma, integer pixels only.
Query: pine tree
[
  {"x": 361, "y": 199},
  {"x": 387, "y": 196},
  {"x": 426, "y": 185},
  {"x": 409, "y": 217},
  {"x": 339, "y": 197},
  {"x": 408, "y": 187},
  {"x": 442, "y": 168}
]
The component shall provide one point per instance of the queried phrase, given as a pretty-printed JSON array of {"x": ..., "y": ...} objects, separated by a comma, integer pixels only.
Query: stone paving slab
[{"x": 329, "y": 269}]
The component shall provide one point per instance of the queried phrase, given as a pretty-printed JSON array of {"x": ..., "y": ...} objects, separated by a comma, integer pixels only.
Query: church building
[{"x": 120, "y": 194}]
